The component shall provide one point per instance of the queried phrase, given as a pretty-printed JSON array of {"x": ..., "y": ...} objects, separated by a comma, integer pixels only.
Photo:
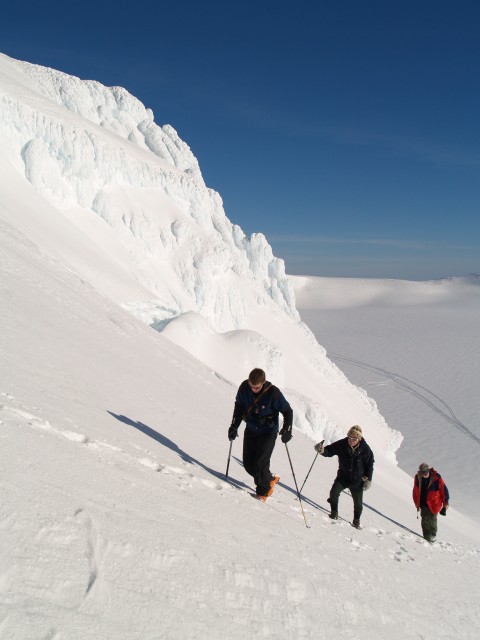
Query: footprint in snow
[
  {"x": 74, "y": 436},
  {"x": 211, "y": 484},
  {"x": 402, "y": 555},
  {"x": 151, "y": 464}
]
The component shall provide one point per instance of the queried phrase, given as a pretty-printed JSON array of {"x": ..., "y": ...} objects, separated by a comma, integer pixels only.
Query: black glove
[
  {"x": 286, "y": 434},
  {"x": 232, "y": 433},
  {"x": 443, "y": 511}
]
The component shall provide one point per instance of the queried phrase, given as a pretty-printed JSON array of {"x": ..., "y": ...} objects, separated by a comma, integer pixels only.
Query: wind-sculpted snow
[
  {"x": 115, "y": 109},
  {"x": 121, "y": 201},
  {"x": 103, "y": 139}
]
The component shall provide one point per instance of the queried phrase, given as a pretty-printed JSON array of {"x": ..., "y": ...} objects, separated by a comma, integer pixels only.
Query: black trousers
[
  {"x": 357, "y": 495},
  {"x": 257, "y": 451}
]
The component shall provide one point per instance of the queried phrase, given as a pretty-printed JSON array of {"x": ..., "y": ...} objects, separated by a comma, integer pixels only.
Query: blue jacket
[{"x": 261, "y": 410}]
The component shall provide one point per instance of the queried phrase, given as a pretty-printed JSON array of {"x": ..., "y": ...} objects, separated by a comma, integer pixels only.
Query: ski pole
[
  {"x": 310, "y": 469},
  {"x": 296, "y": 485},
  {"x": 228, "y": 461}
]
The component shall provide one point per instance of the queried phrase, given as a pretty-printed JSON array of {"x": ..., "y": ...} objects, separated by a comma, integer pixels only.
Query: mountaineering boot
[
  {"x": 272, "y": 485},
  {"x": 356, "y": 523},
  {"x": 333, "y": 510}
]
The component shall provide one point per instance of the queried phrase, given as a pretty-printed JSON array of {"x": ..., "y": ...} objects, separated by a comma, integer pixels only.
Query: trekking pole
[
  {"x": 296, "y": 485},
  {"x": 228, "y": 461},
  {"x": 310, "y": 469},
  {"x": 307, "y": 475}
]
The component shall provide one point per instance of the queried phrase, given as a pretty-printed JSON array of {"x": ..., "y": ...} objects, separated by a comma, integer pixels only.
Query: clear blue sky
[{"x": 347, "y": 131}]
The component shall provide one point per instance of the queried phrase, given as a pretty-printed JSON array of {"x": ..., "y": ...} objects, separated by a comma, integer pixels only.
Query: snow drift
[{"x": 95, "y": 183}]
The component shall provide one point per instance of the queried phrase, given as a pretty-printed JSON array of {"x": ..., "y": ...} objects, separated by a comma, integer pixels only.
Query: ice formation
[
  {"x": 122, "y": 201},
  {"x": 102, "y": 151}
]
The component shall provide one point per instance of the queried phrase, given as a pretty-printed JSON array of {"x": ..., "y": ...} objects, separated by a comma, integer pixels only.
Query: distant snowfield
[
  {"x": 415, "y": 348},
  {"x": 116, "y": 518}
]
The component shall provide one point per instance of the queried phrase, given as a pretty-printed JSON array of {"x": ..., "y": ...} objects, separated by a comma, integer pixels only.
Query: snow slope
[
  {"x": 116, "y": 518},
  {"x": 89, "y": 177}
]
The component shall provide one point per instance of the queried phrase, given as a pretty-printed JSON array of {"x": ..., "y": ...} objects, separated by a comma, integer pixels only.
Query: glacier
[{"x": 121, "y": 201}]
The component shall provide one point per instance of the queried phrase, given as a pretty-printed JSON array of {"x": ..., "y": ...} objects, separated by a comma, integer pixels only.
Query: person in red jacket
[{"x": 430, "y": 495}]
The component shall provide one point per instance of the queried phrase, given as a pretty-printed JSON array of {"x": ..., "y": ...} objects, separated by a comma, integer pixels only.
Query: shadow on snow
[
  {"x": 170, "y": 444},
  {"x": 237, "y": 484}
]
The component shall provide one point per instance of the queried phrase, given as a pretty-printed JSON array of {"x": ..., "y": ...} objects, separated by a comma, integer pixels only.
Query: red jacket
[{"x": 437, "y": 492}]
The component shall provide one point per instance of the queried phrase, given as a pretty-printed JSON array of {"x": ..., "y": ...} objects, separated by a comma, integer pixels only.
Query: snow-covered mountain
[
  {"x": 116, "y": 519},
  {"x": 90, "y": 178},
  {"x": 89, "y": 149}
]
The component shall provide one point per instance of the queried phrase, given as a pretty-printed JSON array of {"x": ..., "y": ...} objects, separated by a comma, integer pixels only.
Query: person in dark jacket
[
  {"x": 259, "y": 403},
  {"x": 355, "y": 470},
  {"x": 431, "y": 497}
]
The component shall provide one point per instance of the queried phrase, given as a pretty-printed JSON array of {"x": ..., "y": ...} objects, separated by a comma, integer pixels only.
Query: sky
[{"x": 346, "y": 132}]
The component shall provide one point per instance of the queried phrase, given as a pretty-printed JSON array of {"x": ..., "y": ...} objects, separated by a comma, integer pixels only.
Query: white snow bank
[
  {"x": 100, "y": 194},
  {"x": 72, "y": 139}
]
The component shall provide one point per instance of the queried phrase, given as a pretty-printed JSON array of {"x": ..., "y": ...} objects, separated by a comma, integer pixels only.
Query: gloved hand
[
  {"x": 232, "y": 433},
  {"x": 443, "y": 511},
  {"x": 319, "y": 448},
  {"x": 286, "y": 434}
]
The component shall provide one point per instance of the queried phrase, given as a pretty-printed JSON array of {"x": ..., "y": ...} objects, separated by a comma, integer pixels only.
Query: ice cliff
[
  {"x": 82, "y": 144},
  {"x": 92, "y": 180}
]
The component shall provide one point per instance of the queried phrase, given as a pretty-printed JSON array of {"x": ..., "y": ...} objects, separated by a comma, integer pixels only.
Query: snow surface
[
  {"x": 116, "y": 518},
  {"x": 143, "y": 229},
  {"x": 415, "y": 347}
]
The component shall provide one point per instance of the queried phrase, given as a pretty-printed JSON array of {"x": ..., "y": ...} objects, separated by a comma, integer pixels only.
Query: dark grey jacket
[{"x": 353, "y": 464}]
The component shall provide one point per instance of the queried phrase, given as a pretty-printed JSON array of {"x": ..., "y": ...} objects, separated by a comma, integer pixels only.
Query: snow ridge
[
  {"x": 121, "y": 202},
  {"x": 72, "y": 157}
]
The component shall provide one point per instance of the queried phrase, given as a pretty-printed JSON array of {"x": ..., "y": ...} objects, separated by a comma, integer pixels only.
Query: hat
[
  {"x": 424, "y": 467},
  {"x": 355, "y": 432}
]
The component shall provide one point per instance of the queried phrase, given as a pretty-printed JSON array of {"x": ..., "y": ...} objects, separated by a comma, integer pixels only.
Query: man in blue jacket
[
  {"x": 355, "y": 470},
  {"x": 259, "y": 403}
]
